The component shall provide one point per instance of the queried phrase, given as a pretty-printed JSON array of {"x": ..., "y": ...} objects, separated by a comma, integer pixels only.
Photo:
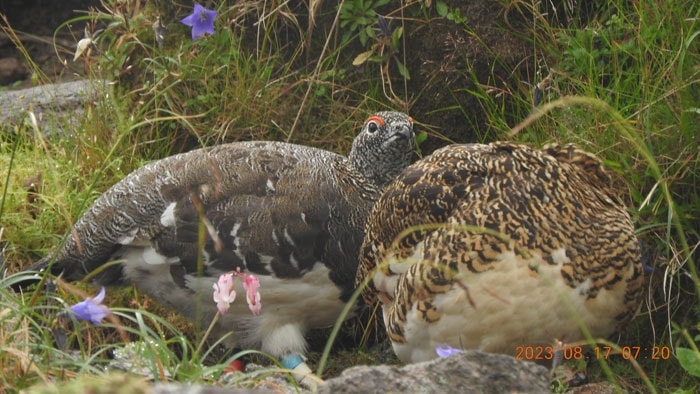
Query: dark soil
[
  {"x": 451, "y": 59},
  {"x": 35, "y": 22}
]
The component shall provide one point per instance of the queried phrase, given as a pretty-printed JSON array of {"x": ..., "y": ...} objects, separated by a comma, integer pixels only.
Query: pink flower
[
  {"x": 252, "y": 295},
  {"x": 224, "y": 294}
]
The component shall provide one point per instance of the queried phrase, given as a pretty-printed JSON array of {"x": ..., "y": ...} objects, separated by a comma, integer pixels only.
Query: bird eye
[
  {"x": 374, "y": 123},
  {"x": 372, "y": 127}
]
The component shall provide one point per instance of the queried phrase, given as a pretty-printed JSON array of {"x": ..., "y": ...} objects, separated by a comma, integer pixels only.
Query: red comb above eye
[{"x": 376, "y": 119}]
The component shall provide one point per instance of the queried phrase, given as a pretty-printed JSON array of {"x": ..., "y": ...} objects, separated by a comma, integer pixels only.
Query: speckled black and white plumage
[
  {"x": 496, "y": 246},
  {"x": 292, "y": 215}
]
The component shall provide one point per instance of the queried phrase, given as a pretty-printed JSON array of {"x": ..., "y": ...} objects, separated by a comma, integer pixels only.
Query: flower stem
[{"x": 206, "y": 334}]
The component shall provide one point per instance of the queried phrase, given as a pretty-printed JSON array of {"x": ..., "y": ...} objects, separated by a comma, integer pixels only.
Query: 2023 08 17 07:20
[{"x": 578, "y": 352}]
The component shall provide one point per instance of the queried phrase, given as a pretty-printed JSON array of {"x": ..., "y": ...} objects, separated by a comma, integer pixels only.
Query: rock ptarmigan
[
  {"x": 500, "y": 247},
  {"x": 291, "y": 215}
]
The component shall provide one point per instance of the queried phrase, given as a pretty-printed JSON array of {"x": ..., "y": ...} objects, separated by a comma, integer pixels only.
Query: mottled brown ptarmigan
[
  {"x": 292, "y": 215},
  {"x": 500, "y": 247}
]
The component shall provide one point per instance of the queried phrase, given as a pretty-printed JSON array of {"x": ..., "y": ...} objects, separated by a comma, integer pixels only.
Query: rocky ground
[{"x": 466, "y": 372}]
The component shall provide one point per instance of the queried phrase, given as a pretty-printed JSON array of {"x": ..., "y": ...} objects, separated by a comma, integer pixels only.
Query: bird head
[{"x": 384, "y": 147}]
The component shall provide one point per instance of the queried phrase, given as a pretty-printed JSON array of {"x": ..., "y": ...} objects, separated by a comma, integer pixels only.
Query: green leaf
[
  {"x": 361, "y": 58},
  {"x": 403, "y": 70},
  {"x": 421, "y": 137},
  {"x": 396, "y": 37},
  {"x": 441, "y": 8},
  {"x": 690, "y": 360},
  {"x": 363, "y": 37},
  {"x": 370, "y": 32}
]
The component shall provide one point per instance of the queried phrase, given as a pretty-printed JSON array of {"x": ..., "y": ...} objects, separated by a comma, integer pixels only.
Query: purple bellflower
[
  {"x": 201, "y": 21},
  {"x": 91, "y": 309},
  {"x": 446, "y": 351}
]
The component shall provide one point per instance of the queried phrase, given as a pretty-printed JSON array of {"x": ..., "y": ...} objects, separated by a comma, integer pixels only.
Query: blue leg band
[{"x": 291, "y": 361}]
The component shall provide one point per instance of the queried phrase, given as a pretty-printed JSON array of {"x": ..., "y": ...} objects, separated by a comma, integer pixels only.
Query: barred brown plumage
[
  {"x": 493, "y": 246},
  {"x": 292, "y": 215}
]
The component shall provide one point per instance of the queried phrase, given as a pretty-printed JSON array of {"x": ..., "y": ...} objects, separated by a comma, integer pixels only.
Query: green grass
[{"x": 624, "y": 84}]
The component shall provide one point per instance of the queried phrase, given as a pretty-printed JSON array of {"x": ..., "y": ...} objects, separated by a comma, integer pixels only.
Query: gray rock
[
  {"x": 173, "y": 388},
  {"x": 48, "y": 103},
  {"x": 465, "y": 372}
]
